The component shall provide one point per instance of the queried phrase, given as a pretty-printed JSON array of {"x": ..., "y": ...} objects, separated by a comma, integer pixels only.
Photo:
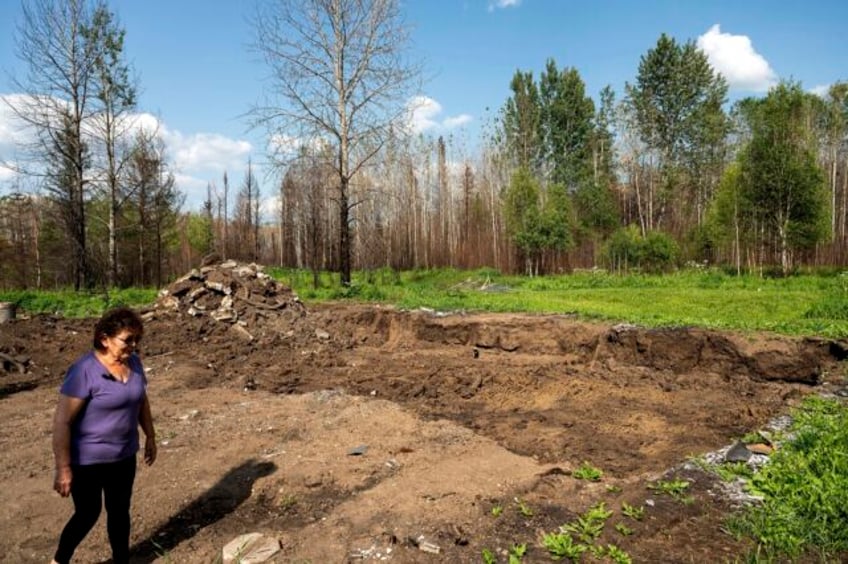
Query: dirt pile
[
  {"x": 461, "y": 415},
  {"x": 229, "y": 292}
]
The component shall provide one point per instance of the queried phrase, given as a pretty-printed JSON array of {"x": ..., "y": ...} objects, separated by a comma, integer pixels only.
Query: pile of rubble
[{"x": 230, "y": 292}]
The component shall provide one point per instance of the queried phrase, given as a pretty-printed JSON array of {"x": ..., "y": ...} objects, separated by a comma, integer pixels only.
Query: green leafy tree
[
  {"x": 566, "y": 125},
  {"x": 780, "y": 175},
  {"x": 521, "y": 122},
  {"x": 677, "y": 104},
  {"x": 659, "y": 252},
  {"x": 731, "y": 213},
  {"x": 594, "y": 200},
  {"x": 556, "y": 220},
  {"x": 833, "y": 122},
  {"x": 199, "y": 233},
  {"x": 523, "y": 218},
  {"x": 603, "y": 140}
]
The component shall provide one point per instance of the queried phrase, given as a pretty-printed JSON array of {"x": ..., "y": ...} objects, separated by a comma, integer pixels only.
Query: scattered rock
[
  {"x": 358, "y": 451},
  {"x": 18, "y": 364},
  {"x": 738, "y": 453},
  {"x": 760, "y": 448},
  {"x": 424, "y": 545},
  {"x": 321, "y": 334},
  {"x": 250, "y": 548}
]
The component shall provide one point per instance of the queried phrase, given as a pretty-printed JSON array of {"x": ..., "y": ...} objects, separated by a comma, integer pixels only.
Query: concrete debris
[
  {"x": 231, "y": 293},
  {"x": 250, "y": 548},
  {"x": 424, "y": 545}
]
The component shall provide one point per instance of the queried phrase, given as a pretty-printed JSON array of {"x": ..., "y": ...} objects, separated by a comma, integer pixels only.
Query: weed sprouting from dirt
[
  {"x": 673, "y": 488},
  {"x": 588, "y": 472},
  {"x": 635, "y": 513}
]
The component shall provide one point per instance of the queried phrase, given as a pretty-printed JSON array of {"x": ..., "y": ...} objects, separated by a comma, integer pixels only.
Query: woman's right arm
[{"x": 66, "y": 411}]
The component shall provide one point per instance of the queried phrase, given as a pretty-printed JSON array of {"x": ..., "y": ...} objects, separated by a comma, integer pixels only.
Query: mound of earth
[{"x": 356, "y": 432}]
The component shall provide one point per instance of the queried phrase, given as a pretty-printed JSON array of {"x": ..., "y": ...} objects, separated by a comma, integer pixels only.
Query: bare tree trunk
[{"x": 226, "y": 221}]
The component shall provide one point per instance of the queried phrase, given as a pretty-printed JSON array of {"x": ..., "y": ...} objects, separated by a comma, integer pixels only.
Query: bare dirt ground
[{"x": 451, "y": 415}]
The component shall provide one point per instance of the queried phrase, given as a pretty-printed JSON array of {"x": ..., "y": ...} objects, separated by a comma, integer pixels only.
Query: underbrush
[
  {"x": 69, "y": 303},
  {"x": 804, "y": 489}
]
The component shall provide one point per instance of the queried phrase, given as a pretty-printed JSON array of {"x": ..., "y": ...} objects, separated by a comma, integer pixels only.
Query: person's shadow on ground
[{"x": 220, "y": 500}]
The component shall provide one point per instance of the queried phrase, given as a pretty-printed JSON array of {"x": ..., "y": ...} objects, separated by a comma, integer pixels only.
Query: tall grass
[
  {"x": 805, "y": 304},
  {"x": 804, "y": 489},
  {"x": 68, "y": 303}
]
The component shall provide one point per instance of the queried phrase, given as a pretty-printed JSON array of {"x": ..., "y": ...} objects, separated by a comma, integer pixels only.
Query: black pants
[{"x": 90, "y": 486}]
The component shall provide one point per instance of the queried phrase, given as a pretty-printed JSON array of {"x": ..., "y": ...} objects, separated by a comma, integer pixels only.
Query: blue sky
[{"x": 198, "y": 76}]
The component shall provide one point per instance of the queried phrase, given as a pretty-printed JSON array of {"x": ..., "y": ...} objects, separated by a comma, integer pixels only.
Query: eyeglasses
[{"x": 132, "y": 342}]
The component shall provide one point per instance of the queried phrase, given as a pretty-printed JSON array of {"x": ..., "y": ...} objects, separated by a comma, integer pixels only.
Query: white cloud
[
  {"x": 206, "y": 151},
  {"x": 193, "y": 187},
  {"x": 820, "y": 90},
  {"x": 457, "y": 121},
  {"x": 735, "y": 58},
  {"x": 6, "y": 174},
  {"x": 424, "y": 115},
  {"x": 198, "y": 158},
  {"x": 498, "y": 4}
]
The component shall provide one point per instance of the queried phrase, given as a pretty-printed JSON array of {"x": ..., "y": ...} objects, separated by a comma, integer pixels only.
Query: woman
[{"x": 102, "y": 402}]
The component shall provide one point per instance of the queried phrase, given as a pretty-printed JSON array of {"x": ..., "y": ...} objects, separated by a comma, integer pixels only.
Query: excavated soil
[{"x": 356, "y": 433}]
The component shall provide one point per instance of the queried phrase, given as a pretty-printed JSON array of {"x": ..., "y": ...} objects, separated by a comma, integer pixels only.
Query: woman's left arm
[{"x": 145, "y": 419}]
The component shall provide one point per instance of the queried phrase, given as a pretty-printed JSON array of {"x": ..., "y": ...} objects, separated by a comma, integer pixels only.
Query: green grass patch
[
  {"x": 806, "y": 304},
  {"x": 69, "y": 303},
  {"x": 804, "y": 488}
]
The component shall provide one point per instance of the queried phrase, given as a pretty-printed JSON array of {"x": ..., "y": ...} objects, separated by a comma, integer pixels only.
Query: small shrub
[
  {"x": 561, "y": 545},
  {"x": 659, "y": 252},
  {"x": 588, "y": 472},
  {"x": 673, "y": 488},
  {"x": 635, "y": 513},
  {"x": 523, "y": 508},
  {"x": 623, "y": 529}
]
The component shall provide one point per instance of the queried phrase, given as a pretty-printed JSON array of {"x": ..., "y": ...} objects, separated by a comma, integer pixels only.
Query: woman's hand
[
  {"x": 62, "y": 480},
  {"x": 150, "y": 450}
]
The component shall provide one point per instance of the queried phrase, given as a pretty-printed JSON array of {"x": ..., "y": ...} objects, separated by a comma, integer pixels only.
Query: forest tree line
[{"x": 665, "y": 173}]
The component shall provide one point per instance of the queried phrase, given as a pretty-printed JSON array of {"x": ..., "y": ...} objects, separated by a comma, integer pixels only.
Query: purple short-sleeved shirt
[{"x": 106, "y": 428}]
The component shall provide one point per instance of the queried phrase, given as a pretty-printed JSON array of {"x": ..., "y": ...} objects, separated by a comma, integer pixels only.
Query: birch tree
[
  {"x": 115, "y": 93},
  {"x": 338, "y": 72},
  {"x": 677, "y": 105}
]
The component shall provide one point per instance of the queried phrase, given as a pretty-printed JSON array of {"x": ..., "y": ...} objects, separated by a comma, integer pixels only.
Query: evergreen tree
[
  {"x": 521, "y": 122},
  {"x": 566, "y": 126}
]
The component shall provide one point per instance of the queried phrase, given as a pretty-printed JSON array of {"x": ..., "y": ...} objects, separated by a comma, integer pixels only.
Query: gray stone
[{"x": 738, "y": 453}]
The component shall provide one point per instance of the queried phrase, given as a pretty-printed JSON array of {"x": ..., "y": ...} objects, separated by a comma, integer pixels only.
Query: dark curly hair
[{"x": 114, "y": 321}]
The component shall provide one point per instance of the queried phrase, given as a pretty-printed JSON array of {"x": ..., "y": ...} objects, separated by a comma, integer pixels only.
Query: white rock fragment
[{"x": 250, "y": 548}]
